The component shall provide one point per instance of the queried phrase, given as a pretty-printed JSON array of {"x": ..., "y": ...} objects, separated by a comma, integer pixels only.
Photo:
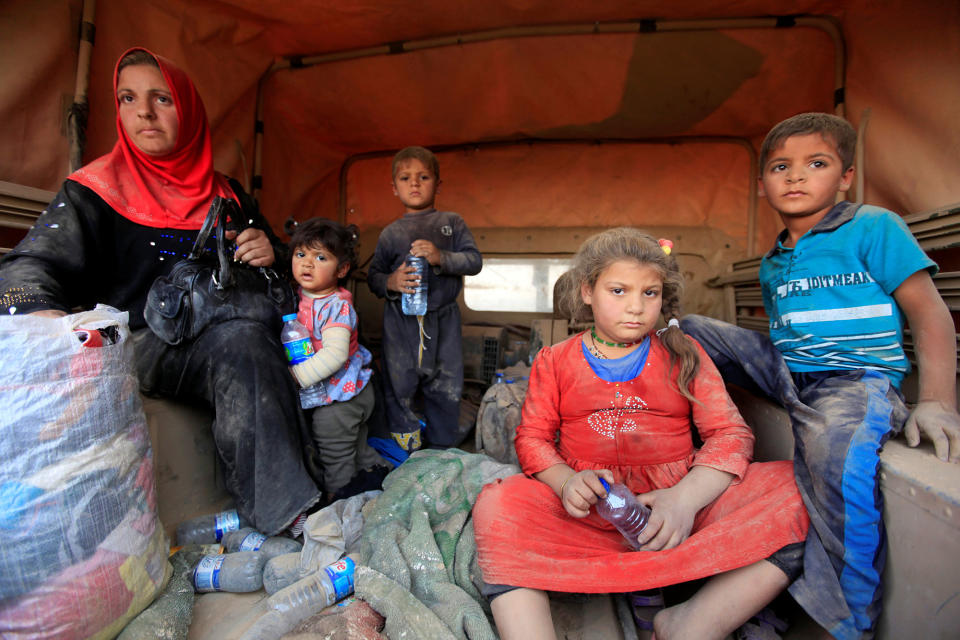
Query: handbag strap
[
  {"x": 212, "y": 215},
  {"x": 225, "y": 278},
  {"x": 216, "y": 221}
]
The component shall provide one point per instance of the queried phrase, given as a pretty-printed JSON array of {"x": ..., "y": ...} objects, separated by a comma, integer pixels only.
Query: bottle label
[
  {"x": 226, "y": 521},
  {"x": 252, "y": 542},
  {"x": 341, "y": 575},
  {"x": 206, "y": 577},
  {"x": 298, "y": 350}
]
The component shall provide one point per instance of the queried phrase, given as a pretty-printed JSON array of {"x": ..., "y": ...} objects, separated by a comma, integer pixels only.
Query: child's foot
[
  {"x": 669, "y": 623},
  {"x": 645, "y": 605}
]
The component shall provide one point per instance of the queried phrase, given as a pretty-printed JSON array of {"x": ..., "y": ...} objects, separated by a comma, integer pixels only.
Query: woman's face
[{"x": 147, "y": 111}]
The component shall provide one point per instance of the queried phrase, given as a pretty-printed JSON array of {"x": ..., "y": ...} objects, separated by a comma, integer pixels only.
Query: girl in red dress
[{"x": 618, "y": 402}]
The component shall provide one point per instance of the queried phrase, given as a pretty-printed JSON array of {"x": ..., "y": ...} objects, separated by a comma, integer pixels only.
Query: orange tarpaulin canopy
[{"x": 546, "y": 111}]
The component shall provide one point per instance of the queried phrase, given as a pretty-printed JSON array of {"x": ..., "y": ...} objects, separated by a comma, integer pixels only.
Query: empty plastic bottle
[
  {"x": 239, "y": 572},
  {"x": 498, "y": 378},
  {"x": 302, "y": 599},
  {"x": 280, "y": 572},
  {"x": 248, "y": 539},
  {"x": 295, "y": 339},
  {"x": 209, "y": 528},
  {"x": 621, "y": 509},
  {"x": 415, "y": 304}
]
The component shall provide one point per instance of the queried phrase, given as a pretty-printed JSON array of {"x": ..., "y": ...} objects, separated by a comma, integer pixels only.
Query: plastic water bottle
[
  {"x": 621, "y": 509},
  {"x": 295, "y": 339},
  {"x": 239, "y": 572},
  {"x": 302, "y": 599},
  {"x": 280, "y": 572},
  {"x": 415, "y": 304},
  {"x": 248, "y": 539},
  {"x": 498, "y": 378},
  {"x": 209, "y": 528}
]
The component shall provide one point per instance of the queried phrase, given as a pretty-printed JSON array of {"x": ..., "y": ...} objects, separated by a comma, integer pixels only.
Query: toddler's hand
[
  {"x": 404, "y": 279},
  {"x": 582, "y": 489},
  {"x": 671, "y": 519},
  {"x": 940, "y": 424},
  {"x": 428, "y": 250}
]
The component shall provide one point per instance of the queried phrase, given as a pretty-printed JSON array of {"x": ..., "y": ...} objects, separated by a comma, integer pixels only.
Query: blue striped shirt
[{"x": 830, "y": 298}]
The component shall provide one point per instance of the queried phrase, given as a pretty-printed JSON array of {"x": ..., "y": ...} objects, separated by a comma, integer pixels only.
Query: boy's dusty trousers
[{"x": 840, "y": 420}]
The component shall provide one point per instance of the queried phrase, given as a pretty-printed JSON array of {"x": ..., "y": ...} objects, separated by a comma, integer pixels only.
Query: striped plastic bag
[{"x": 83, "y": 551}]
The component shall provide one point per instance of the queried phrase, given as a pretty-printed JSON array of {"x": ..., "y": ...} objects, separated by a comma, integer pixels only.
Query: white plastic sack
[
  {"x": 332, "y": 532},
  {"x": 83, "y": 551}
]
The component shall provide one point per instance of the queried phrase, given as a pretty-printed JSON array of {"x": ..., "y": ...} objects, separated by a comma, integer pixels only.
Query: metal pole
[{"x": 80, "y": 109}]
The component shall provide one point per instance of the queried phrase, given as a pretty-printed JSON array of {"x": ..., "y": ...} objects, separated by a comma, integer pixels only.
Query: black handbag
[{"x": 205, "y": 289}]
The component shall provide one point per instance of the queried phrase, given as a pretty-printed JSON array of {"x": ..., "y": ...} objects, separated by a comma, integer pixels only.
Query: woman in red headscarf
[{"x": 125, "y": 219}]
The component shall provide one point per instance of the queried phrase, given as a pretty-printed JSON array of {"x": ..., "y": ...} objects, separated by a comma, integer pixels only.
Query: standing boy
[
  {"x": 448, "y": 246},
  {"x": 836, "y": 287}
]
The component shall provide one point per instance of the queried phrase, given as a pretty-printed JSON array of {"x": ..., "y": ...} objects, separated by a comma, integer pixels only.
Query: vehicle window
[{"x": 514, "y": 284}]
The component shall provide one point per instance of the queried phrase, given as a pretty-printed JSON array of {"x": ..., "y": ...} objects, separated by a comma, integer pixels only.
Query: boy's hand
[
  {"x": 582, "y": 489},
  {"x": 671, "y": 519},
  {"x": 404, "y": 279},
  {"x": 940, "y": 424},
  {"x": 253, "y": 247},
  {"x": 428, "y": 250}
]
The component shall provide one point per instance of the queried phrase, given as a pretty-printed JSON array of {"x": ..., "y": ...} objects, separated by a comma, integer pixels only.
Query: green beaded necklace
[{"x": 622, "y": 345}]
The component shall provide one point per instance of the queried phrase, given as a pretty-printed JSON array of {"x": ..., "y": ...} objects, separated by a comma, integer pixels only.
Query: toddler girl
[
  {"x": 617, "y": 402},
  {"x": 335, "y": 380}
]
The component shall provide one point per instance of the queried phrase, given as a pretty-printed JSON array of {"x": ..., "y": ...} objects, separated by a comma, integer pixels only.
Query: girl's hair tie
[
  {"x": 666, "y": 245},
  {"x": 673, "y": 322}
]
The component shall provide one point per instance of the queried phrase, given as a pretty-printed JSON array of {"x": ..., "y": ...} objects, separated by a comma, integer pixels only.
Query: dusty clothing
[
  {"x": 448, "y": 232},
  {"x": 340, "y": 405},
  {"x": 340, "y": 433},
  {"x": 417, "y": 560},
  {"x": 334, "y": 310},
  {"x": 830, "y": 299},
  {"x": 81, "y": 252},
  {"x": 840, "y": 421},
  {"x": 640, "y": 430},
  {"x": 440, "y": 373}
]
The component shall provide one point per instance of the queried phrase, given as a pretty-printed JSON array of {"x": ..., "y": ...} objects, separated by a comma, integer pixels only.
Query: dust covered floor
[{"x": 221, "y": 616}]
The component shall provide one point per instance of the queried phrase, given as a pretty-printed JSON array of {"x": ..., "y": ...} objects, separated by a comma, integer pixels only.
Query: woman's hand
[
  {"x": 581, "y": 490},
  {"x": 253, "y": 247}
]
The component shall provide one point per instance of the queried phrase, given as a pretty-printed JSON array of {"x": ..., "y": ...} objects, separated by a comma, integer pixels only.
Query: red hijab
[{"x": 173, "y": 191}]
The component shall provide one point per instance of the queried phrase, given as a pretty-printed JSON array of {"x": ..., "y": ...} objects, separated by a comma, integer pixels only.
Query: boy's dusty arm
[
  {"x": 934, "y": 338},
  {"x": 464, "y": 259},
  {"x": 383, "y": 282},
  {"x": 466, "y": 262}
]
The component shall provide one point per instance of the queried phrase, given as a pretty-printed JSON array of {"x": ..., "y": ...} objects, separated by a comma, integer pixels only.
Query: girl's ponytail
[{"x": 681, "y": 349}]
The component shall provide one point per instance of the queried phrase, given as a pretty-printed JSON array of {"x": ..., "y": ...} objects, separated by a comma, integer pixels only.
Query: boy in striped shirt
[{"x": 837, "y": 286}]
